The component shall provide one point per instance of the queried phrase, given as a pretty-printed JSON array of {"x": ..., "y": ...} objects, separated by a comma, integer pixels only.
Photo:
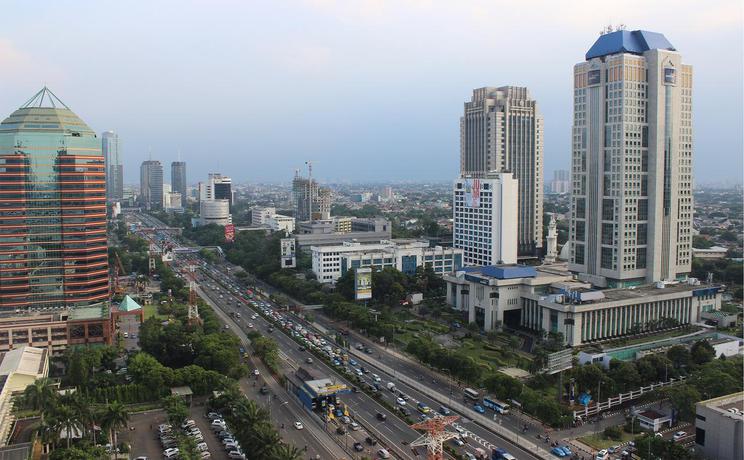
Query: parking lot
[{"x": 144, "y": 441}]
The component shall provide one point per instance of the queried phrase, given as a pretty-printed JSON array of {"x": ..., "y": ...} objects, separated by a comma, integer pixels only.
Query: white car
[
  {"x": 202, "y": 447},
  {"x": 383, "y": 453},
  {"x": 170, "y": 453},
  {"x": 256, "y": 372},
  {"x": 298, "y": 425},
  {"x": 250, "y": 325},
  {"x": 401, "y": 401},
  {"x": 376, "y": 378},
  {"x": 679, "y": 435}
]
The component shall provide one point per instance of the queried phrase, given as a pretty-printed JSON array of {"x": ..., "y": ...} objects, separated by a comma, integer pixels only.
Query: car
[
  {"x": 224, "y": 434},
  {"x": 170, "y": 453},
  {"x": 301, "y": 348},
  {"x": 202, "y": 447},
  {"x": 358, "y": 373},
  {"x": 213, "y": 415},
  {"x": 358, "y": 446},
  {"x": 298, "y": 425},
  {"x": 602, "y": 455},
  {"x": 376, "y": 378},
  {"x": 227, "y": 326},
  {"x": 205, "y": 454},
  {"x": 566, "y": 451},
  {"x": 368, "y": 350},
  {"x": 457, "y": 441},
  {"x": 250, "y": 325},
  {"x": 218, "y": 424},
  {"x": 309, "y": 360},
  {"x": 558, "y": 452},
  {"x": 340, "y": 430},
  {"x": 232, "y": 446},
  {"x": 370, "y": 441},
  {"x": 679, "y": 435},
  {"x": 404, "y": 411},
  {"x": 478, "y": 408},
  {"x": 188, "y": 423},
  {"x": 469, "y": 456},
  {"x": 401, "y": 401},
  {"x": 354, "y": 426},
  {"x": 126, "y": 335},
  {"x": 193, "y": 431},
  {"x": 353, "y": 362},
  {"x": 381, "y": 417},
  {"x": 264, "y": 390},
  {"x": 141, "y": 458},
  {"x": 256, "y": 372},
  {"x": 444, "y": 411},
  {"x": 236, "y": 455},
  {"x": 424, "y": 417},
  {"x": 459, "y": 429},
  {"x": 383, "y": 453},
  {"x": 345, "y": 420},
  {"x": 198, "y": 437},
  {"x": 423, "y": 408},
  {"x": 227, "y": 441}
]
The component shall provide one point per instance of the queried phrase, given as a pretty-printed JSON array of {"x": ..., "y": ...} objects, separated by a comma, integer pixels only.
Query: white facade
[
  {"x": 501, "y": 130},
  {"x": 332, "y": 262},
  {"x": 172, "y": 201},
  {"x": 215, "y": 212},
  {"x": 260, "y": 215},
  {"x": 278, "y": 222},
  {"x": 631, "y": 205},
  {"x": 485, "y": 219}
]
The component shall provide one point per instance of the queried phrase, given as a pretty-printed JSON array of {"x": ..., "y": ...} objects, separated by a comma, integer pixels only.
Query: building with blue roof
[{"x": 624, "y": 41}]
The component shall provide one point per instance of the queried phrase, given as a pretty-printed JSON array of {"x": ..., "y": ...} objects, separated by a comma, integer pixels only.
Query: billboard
[
  {"x": 363, "y": 283},
  {"x": 288, "y": 256},
  {"x": 472, "y": 193},
  {"x": 229, "y": 233}
]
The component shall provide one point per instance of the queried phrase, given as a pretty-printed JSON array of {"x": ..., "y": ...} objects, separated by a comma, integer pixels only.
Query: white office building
[
  {"x": 485, "y": 219},
  {"x": 278, "y": 222},
  {"x": 260, "y": 215},
  {"x": 501, "y": 130},
  {"x": 214, "y": 212},
  {"x": 332, "y": 262},
  {"x": 631, "y": 205}
]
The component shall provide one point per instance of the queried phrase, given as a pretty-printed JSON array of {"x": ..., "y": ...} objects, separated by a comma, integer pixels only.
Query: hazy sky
[{"x": 368, "y": 90}]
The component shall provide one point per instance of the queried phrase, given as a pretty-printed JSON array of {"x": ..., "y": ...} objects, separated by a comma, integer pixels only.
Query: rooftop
[
  {"x": 45, "y": 112},
  {"x": 731, "y": 405},
  {"x": 24, "y": 360},
  {"x": 624, "y": 41}
]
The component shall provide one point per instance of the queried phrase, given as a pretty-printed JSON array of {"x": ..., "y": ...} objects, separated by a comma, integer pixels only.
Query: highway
[{"x": 372, "y": 368}]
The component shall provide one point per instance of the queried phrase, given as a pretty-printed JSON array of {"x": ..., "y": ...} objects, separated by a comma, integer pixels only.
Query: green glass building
[{"x": 53, "y": 250}]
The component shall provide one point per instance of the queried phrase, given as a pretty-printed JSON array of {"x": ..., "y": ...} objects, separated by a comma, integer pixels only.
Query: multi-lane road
[{"x": 414, "y": 383}]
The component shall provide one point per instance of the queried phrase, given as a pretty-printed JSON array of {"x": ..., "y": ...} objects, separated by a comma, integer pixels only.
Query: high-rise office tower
[
  {"x": 502, "y": 130},
  {"x": 52, "y": 208},
  {"x": 217, "y": 187},
  {"x": 178, "y": 177},
  {"x": 561, "y": 181},
  {"x": 485, "y": 215},
  {"x": 631, "y": 204},
  {"x": 311, "y": 202},
  {"x": 114, "y": 168},
  {"x": 151, "y": 184}
]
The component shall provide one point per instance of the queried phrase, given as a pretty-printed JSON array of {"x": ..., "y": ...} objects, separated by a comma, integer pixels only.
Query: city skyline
[{"x": 385, "y": 63}]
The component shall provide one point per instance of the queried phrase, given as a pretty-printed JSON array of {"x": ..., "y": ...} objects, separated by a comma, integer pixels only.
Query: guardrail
[{"x": 623, "y": 397}]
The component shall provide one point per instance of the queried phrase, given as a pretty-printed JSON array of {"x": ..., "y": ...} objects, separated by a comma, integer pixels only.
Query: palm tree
[
  {"x": 284, "y": 451},
  {"x": 114, "y": 417},
  {"x": 67, "y": 420},
  {"x": 40, "y": 396},
  {"x": 48, "y": 432}
]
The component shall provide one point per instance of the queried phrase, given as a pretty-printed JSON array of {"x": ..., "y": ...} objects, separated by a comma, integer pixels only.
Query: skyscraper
[
  {"x": 632, "y": 161},
  {"x": 114, "y": 168},
  {"x": 485, "y": 215},
  {"x": 53, "y": 208},
  {"x": 502, "y": 130},
  {"x": 217, "y": 187},
  {"x": 151, "y": 184},
  {"x": 178, "y": 177}
]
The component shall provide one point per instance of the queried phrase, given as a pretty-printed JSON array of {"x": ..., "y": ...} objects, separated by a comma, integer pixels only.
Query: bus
[
  {"x": 471, "y": 394},
  {"x": 500, "y": 407}
]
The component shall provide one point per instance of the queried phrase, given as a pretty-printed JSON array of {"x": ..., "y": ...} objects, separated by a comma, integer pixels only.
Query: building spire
[{"x": 45, "y": 96}]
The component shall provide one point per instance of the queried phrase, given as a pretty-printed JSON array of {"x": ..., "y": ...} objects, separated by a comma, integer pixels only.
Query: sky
[{"x": 368, "y": 90}]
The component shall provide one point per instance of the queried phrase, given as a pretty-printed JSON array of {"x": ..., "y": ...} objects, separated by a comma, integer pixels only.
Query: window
[
  {"x": 608, "y": 209},
  {"x": 642, "y": 233},
  {"x": 699, "y": 436},
  {"x": 642, "y": 209},
  {"x": 580, "y": 208},
  {"x": 640, "y": 258},
  {"x": 580, "y": 231},
  {"x": 607, "y": 230},
  {"x": 607, "y": 258},
  {"x": 579, "y": 255}
]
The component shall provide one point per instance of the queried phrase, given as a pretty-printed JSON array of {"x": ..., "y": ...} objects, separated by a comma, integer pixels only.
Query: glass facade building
[{"x": 53, "y": 250}]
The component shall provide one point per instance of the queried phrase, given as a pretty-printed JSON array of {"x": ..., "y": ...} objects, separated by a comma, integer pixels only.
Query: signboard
[
  {"x": 670, "y": 77},
  {"x": 559, "y": 361},
  {"x": 472, "y": 193},
  {"x": 594, "y": 77},
  {"x": 229, "y": 233},
  {"x": 363, "y": 283},
  {"x": 288, "y": 256},
  {"x": 332, "y": 389}
]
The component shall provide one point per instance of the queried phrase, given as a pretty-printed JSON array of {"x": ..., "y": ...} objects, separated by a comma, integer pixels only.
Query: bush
[{"x": 614, "y": 433}]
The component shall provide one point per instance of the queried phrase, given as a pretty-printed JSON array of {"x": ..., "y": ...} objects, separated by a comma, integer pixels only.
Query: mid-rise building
[
  {"x": 485, "y": 219},
  {"x": 501, "y": 130},
  {"x": 311, "y": 201},
  {"x": 151, "y": 184},
  {"x": 53, "y": 208},
  {"x": 332, "y": 262},
  {"x": 178, "y": 178},
  {"x": 260, "y": 215},
  {"x": 719, "y": 427},
  {"x": 19, "y": 368},
  {"x": 547, "y": 298},
  {"x": 111, "y": 150},
  {"x": 214, "y": 212},
  {"x": 631, "y": 204},
  {"x": 217, "y": 187},
  {"x": 280, "y": 223},
  {"x": 172, "y": 201},
  {"x": 338, "y": 230}
]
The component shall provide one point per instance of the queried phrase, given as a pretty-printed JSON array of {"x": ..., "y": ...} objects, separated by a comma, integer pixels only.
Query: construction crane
[
  {"x": 118, "y": 271},
  {"x": 436, "y": 435}
]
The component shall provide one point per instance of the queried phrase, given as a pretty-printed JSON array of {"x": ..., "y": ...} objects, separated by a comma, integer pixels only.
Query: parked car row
[
  {"x": 169, "y": 440},
  {"x": 230, "y": 444}
]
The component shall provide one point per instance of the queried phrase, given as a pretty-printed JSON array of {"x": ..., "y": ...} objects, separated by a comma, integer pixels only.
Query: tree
[
  {"x": 284, "y": 451},
  {"x": 625, "y": 375},
  {"x": 40, "y": 396},
  {"x": 176, "y": 409},
  {"x": 503, "y": 386},
  {"x": 683, "y": 398},
  {"x": 702, "y": 352},
  {"x": 115, "y": 416},
  {"x": 679, "y": 356},
  {"x": 67, "y": 421}
]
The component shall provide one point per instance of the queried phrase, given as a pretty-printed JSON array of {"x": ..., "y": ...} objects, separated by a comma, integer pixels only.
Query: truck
[{"x": 391, "y": 386}]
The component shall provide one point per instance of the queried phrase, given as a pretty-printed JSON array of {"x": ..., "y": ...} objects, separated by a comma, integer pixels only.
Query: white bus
[
  {"x": 500, "y": 407},
  {"x": 471, "y": 394}
]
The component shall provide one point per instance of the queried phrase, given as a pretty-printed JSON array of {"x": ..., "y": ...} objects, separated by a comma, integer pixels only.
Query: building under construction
[{"x": 311, "y": 201}]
